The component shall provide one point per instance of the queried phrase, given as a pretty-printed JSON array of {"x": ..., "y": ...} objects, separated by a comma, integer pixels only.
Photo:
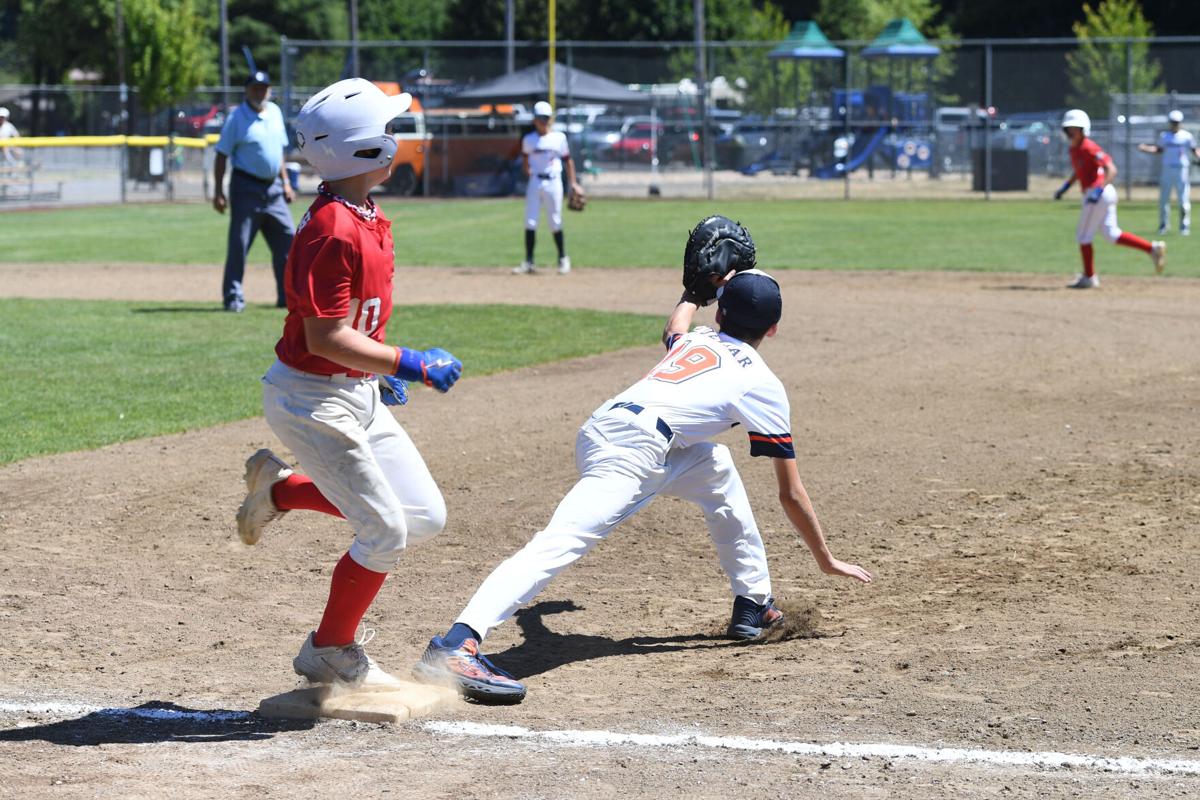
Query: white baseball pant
[
  {"x": 360, "y": 458},
  {"x": 1174, "y": 178},
  {"x": 1100, "y": 215},
  {"x": 624, "y": 462},
  {"x": 544, "y": 193}
]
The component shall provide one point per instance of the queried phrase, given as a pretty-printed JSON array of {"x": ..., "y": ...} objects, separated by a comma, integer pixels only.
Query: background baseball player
[
  {"x": 544, "y": 153},
  {"x": 1095, "y": 171},
  {"x": 653, "y": 439},
  {"x": 8, "y": 155},
  {"x": 324, "y": 396},
  {"x": 1177, "y": 147},
  {"x": 254, "y": 139}
]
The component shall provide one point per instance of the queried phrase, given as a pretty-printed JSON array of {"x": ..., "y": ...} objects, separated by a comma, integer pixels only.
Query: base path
[{"x": 1017, "y": 463}]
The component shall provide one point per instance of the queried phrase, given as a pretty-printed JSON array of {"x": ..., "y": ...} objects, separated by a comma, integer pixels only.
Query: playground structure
[{"x": 876, "y": 126}]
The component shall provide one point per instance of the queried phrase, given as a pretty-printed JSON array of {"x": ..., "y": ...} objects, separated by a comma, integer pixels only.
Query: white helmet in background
[
  {"x": 1175, "y": 116},
  {"x": 1077, "y": 118},
  {"x": 542, "y": 109},
  {"x": 342, "y": 129}
]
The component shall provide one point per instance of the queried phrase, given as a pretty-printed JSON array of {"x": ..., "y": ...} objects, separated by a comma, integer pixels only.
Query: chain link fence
[{"x": 979, "y": 119}]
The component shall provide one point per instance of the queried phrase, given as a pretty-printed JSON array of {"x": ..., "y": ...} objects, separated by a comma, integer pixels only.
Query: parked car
[{"x": 637, "y": 140}]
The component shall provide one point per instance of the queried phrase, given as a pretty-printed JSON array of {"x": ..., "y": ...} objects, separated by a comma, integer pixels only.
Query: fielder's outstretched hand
[{"x": 847, "y": 570}]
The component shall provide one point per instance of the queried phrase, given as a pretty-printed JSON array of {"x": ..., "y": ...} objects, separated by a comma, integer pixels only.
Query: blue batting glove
[
  {"x": 1093, "y": 196},
  {"x": 1062, "y": 190},
  {"x": 393, "y": 391},
  {"x": 435, "y": 368}
]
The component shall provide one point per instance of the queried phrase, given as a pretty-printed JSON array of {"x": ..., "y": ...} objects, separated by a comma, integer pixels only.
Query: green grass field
[
  {"x": 98, "y": 372},
  {"x": 1009, "y": 236}
]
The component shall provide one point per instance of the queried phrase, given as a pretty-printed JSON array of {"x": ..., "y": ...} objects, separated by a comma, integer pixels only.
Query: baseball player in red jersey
[
  {"x": 1095, "y": 171},
  {"x": 324, "y": 396},
  {"x": 651, "y": 439}
]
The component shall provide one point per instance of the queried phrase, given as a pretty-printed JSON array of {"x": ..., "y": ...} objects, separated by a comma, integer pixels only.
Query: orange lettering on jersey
[{"x": 678, "y": 367}]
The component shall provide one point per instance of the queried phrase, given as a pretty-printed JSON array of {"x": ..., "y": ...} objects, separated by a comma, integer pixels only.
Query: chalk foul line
[
  {"x": 893, "y": 752},
  {"x": 1123, "y": 765}
]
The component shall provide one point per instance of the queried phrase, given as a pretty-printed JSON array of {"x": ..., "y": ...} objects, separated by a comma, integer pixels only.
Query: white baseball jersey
[
  {"x": 1176, "y": 147},
  {"x": 627, "y": 456},
  {"x": 545, "y": 153},
  {"x": 709, "y": 382}
]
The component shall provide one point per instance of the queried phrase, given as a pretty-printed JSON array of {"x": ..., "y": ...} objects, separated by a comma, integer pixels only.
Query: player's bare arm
[
  {"x": 799, "y": 510},
  {"x": 680, "y": 321},
  {"x": 219, "y": 202},
  {"x": 1149, "y": 148},
  {"x": 569, "y": 163}
]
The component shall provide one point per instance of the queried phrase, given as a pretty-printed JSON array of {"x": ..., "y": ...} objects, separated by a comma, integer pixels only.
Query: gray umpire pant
[{"x": 256, "y": 205}]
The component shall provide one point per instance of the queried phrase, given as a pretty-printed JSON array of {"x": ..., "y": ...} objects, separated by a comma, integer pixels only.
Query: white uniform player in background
[
  {"x": 544, "y": 155},
  {"x": 8, "y": 155},
  {"x": 652, "y": 439},
  {"x": 1177, "y": 147}
]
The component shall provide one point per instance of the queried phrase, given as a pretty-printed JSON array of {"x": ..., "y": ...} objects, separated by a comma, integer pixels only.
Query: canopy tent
[
  {"x": 900, "y": 39},
  {"x": 806, "y": 40},
  {"x": 570, "y": 84}
]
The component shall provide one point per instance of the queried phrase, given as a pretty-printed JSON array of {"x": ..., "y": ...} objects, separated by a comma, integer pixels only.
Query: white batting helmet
[
  {"x": 1077, "y": 118},
  {"x": 342, "y": 129}
]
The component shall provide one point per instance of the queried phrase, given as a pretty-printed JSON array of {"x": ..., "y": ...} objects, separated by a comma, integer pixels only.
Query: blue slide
[{"x": 857, "y": 159}]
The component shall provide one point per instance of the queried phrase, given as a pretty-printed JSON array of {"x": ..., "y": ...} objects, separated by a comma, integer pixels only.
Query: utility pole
[
  {"x": 702, "y": 90},
  {"x": 510, "y": 61},
  {"x": 124, "y": 95},
  {"x": 224, "y": 50},
  {"x": 354, "y": 70}
]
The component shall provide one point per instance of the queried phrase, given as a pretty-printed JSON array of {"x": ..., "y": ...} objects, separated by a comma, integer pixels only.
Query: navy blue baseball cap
[
  {"x": 751, "y": 300},
  {"x": 259, "y": 78}
]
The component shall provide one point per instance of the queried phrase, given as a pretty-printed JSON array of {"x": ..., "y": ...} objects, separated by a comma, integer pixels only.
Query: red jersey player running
[
  {"x": 1095, "y": 171},
  {"x": 324, "y": 397}
]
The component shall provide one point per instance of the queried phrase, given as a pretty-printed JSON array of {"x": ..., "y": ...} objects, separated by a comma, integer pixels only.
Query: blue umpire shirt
[{"x": 254, "y": 140}]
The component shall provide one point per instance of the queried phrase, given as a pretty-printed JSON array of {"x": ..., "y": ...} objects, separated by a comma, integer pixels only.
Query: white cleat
[
  {"x": 564, "y": 265},
  {"x": 1084, "y": 282},
  {"x": 264, "y": 469},
  {"x": 1158, "y": 254},
  {"x": 348, "y": 665},
  {"x": 526, "y": 268}
]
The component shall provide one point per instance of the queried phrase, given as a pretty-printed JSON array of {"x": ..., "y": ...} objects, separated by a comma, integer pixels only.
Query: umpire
[{"x": 254, "y": 138}]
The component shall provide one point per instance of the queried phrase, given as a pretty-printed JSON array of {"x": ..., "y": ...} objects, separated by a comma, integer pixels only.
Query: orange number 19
[{"x": 677, "y": 368}]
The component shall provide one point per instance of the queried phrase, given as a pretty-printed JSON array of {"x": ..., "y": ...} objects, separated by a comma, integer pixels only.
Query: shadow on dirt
[
  {"x": 155, "y": 722},
  {"x": 544, "y": 650}
]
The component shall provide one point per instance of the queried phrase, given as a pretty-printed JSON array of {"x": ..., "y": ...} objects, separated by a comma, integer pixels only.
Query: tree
[
  {"x": 1097, "y": 69},
  {"x": 167, "y": 51}
]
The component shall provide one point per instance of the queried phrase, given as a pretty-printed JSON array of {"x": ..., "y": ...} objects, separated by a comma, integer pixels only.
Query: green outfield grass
[
  {"x": 1009, "y": 236},
  {"x": 83, "y": 374}
]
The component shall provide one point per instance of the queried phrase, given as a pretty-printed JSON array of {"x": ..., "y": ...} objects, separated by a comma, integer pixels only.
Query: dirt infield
[{"x": 1018, "y": 464}]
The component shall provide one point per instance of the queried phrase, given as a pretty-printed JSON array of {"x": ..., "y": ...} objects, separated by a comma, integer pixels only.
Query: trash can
[{"x": 1010, "y": 170}]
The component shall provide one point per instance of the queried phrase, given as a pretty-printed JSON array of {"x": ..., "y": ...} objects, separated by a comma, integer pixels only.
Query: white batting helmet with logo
[
  {"x": 342, "y": 129},
  {"x": 1077, "y": 118}
]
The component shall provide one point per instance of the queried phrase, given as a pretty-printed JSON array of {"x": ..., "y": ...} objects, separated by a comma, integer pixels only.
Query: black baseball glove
[{"x": 715, "y": 246}]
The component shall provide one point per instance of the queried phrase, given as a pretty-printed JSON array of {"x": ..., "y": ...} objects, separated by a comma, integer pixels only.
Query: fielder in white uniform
[
  {"x": 1177, "y": 147},
  {"x": 544, "y": 152},
  {"x": 8, "y": 155},
  {"x": 652, "y": 439}
]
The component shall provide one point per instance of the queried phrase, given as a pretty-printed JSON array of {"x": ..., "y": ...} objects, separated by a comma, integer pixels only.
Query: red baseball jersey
[
  {"x": 1088, "y": 159},
  {"x": 340, "y": 266}
]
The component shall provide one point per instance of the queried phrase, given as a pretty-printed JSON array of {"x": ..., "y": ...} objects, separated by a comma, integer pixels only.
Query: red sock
[
  {"x": 1129, "y": 240},
  {"x": 299, "y": 492},
  {"x": 1089, "y": 265},
  {"x": 350, "y": 595}
]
